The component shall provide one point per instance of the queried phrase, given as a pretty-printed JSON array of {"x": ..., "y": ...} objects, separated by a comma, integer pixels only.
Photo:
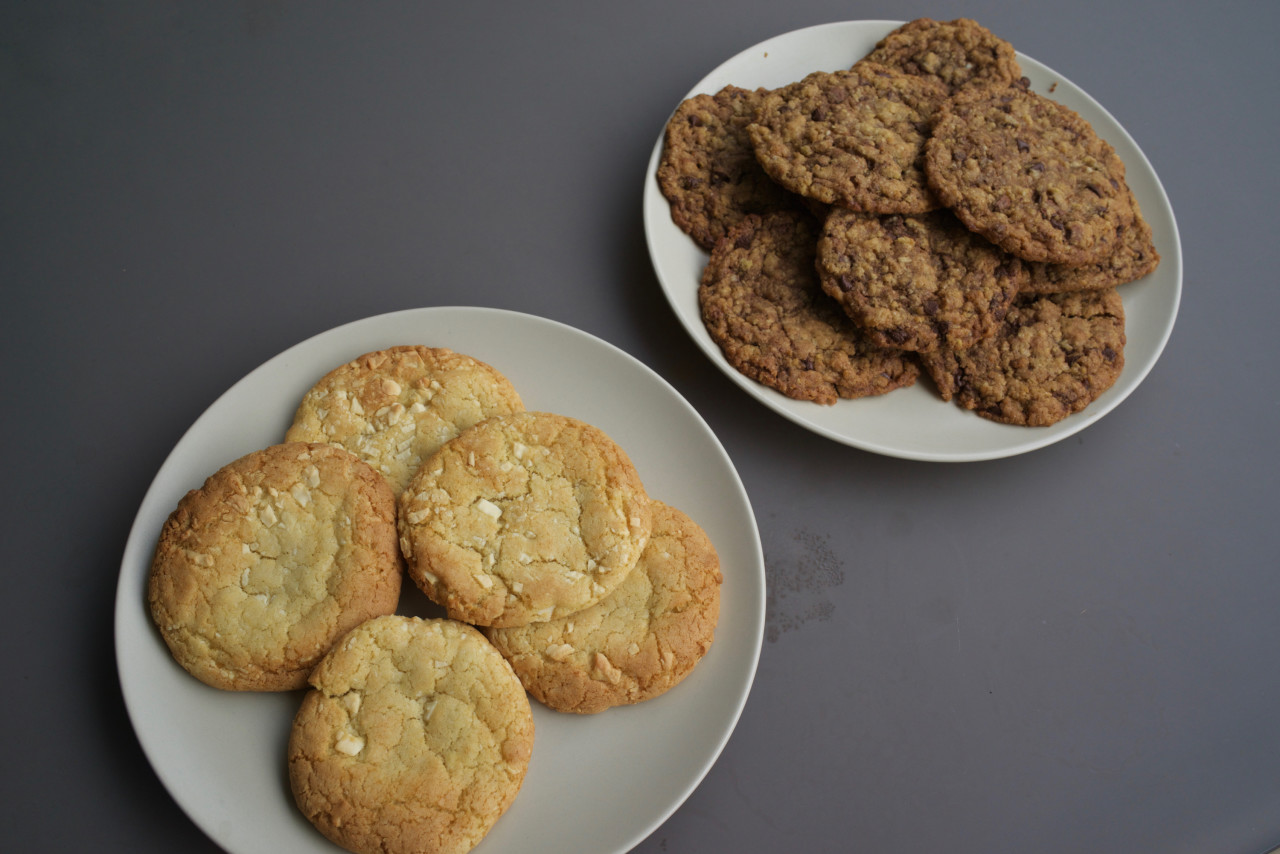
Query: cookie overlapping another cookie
[{"x": 950, "y": 196}]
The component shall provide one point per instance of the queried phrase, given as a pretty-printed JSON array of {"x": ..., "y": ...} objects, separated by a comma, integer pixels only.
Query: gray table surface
[{"x": 1069, "y": 650}]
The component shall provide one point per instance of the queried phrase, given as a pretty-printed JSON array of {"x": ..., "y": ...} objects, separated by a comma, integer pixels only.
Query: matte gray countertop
[{"x": 1068, "y": 650}]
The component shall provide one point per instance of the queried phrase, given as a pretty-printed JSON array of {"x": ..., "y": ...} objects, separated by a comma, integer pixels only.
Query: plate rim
[
  {"x": 654, "y": 209},
  {"x": 125, "y": 609}
]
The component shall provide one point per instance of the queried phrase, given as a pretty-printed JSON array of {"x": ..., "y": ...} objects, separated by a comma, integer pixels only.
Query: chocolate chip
[{"x": 1022, "y": 146}]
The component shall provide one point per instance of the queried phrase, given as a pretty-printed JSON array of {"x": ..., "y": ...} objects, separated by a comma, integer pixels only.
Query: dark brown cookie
[
  {"x": 916, "y": 282},
  {"x": 1135, "y": 256},
  {"x": 762, "y": 304},
  {"x": 1028, "y": 174},
  {"x": 958, "y": 53},
  {"x": 708, "y": 171},
  {"x": 853, "y": 138},
  {"x": 1055, "y": 355}
]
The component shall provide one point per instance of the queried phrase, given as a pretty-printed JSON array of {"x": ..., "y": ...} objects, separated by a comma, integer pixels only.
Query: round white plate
[
  {"x": 915, "y": 423},
  {"x": 596, "y": 783}
]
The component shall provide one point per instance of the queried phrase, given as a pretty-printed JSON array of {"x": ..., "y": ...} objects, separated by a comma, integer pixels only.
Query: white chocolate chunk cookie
[
  {"x": 523, "y": 518},
  {"x": 415, "y": 738},
  {"x": 393, "y": 408},
  {"x": 639, "y": 641},
  {"x": 275, "y": 557}
]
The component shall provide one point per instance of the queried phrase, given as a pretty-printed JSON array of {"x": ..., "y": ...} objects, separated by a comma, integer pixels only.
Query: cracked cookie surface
[
  {"x": 1053, "y": 357},
  {"x": 853, "y": 138},
  {"x": 415, "y": 737},
  {"x": 523, "y": 517},
  {"x": 762, "y": 304},
  {"x": 393, "y": 408},
  {"x": 1028, "y": 174},
  {"x": 708, "y": 171},
  {"x": 957, "y": 53},
  {"x": 639, "y": 641},
  {"x": 916, "y": 282},
  {"x": 278, "y": 554}
]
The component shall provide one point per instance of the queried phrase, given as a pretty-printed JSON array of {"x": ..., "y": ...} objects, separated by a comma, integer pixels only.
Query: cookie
[
  {"x": 916, "y": 282},
  {"x": 415, "y": 737},
  {"x": 1134, "y": 256},
  {"x": 393, "y": 408},
  {"x": 522, "y": 518},
  {"x": 763, "y": 306},
  {"x": 708, "y": 171},
  {"x": 1055, "y": 355},
  {"x": 1028, "y": 174},
  {"x": 277, "y": 555},
  {"x": 959, "y": 53},
  {"x": 853, "y": 138},
  {"x": 640, "y": 640}
]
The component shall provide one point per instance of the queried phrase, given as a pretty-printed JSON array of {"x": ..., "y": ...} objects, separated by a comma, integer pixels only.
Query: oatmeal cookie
[
  {"x": 1028, "y": 174},
  {"x": 1055, "y": 355},
  {"x": 916, "y": 282},
  {"x": 639, "y": 641},
  {"x": 414, "y": 739},
  {"x": 762, "y": 304},
  {"x": 276, "y": 556},
  {"x": 708, "y": 171},
  {"x": 958, "y": 53},
  {"x": 853, "y": 138},
  {"x": 1135, "y": 256}
]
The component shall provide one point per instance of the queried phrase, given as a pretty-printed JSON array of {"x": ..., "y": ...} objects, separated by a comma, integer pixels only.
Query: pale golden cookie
[
  {"x": 393, "y": 408},
  {"x": 415, "y": 738},
  {"x": 522, "y": 518},
  {"x": 640, "y": 640},
  {"x": 276, "y": 556}
]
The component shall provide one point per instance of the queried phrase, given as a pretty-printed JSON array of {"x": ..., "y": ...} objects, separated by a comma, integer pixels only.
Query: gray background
[{"x": 1071, "y": 650}]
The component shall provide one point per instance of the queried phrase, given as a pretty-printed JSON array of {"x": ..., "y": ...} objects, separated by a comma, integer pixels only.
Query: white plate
[
  {"x": 915, "y": 423},
  {"x": 596, "y": 783}
]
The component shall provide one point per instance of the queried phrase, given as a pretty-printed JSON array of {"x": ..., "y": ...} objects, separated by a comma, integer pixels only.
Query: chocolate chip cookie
[
  {"x": 916, "y": 282},
  {"x": 1134, "y": 256},
  {"x": 1028, "y": 174},
  {"x": 853, "y": 138},
  {"x": 708, "y": 171},
  {"x": 958, "y": 53},
  {"x": 1053, "y": 357},
  {"x": 762, "y": 304}
]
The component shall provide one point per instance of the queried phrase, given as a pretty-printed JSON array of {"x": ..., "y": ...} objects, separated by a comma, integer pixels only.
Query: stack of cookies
[
  {"x": 559, "y": 577},
  {"x": 922, "y": 210}
]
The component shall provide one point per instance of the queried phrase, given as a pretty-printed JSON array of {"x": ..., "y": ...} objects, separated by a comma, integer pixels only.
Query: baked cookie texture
[
  {"x": 853, "y": 138},
  {"x": 393, "y": 408},
  {"x": 959, "y": 53},
  {"x": 1029, "y": 174},
  {"x": 414, "y": 737},
  {"x": 1134, "y": 256},
  {"x": 762, "y": 304},
  {"x": 1055, "y": 355},
  {"x": 639, "y": 641},
  {"x": 708, "y": 171},
  {"x": 277, "y": 555},
  {"x": 916, "y": 282},
  {"x": 522, "y": 518}
]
